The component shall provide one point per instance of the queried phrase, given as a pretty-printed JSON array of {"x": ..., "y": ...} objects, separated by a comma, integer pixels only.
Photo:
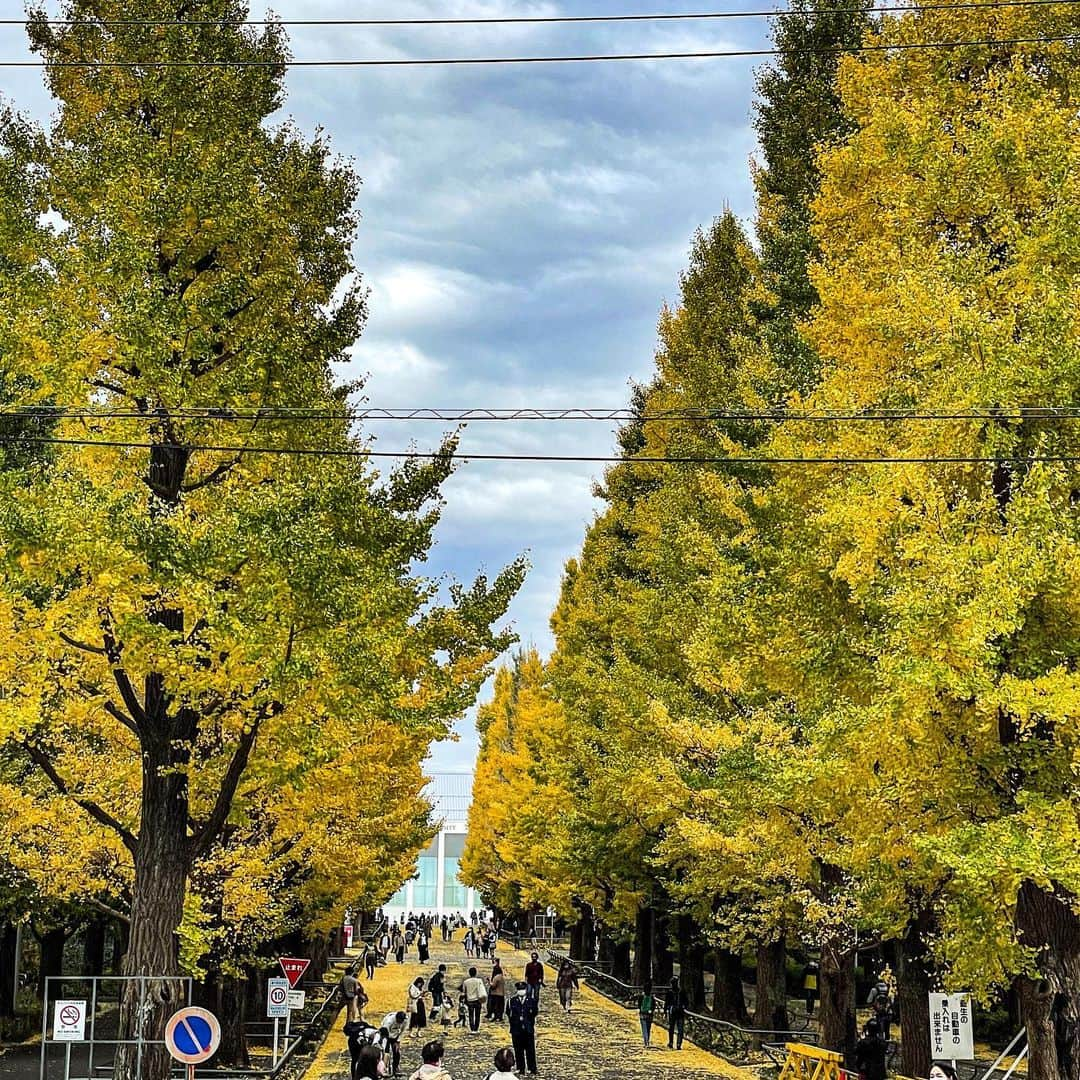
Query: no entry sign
[
  {"x": 192, "y": 1035},
  {"x": 294, "y": 968}
]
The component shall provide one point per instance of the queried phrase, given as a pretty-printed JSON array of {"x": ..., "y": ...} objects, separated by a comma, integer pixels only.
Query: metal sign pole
[
  {"x": 276, "y": 1023},
  {"x": 288, "y": 1026},
  {"x": 67, "y": 1061},
  {"x": 45, "y": 1024}
]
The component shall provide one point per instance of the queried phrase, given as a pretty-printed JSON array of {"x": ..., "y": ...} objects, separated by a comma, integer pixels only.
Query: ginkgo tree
[{"x": 179, "y": 617}]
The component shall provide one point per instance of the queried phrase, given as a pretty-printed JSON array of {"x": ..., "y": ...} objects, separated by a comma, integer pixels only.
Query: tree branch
[
  {"x": 104, "y": 908},
  {"x": 216, "y": 474},
  {"x": 205, "y": 836},
  {"x": 99, "y": 814},
  {"x": 80, "y": 644},
  {"x": 114, "y": 651},
  {"x": 118, "y": 714}
]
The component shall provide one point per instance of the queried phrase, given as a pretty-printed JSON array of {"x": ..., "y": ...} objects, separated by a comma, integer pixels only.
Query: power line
[
  {"x": 333, "y": 452},
  {"x": 463, "y": 61},
  {"x": 519, "y": 20},
  {"x": 468, "y": 415}
]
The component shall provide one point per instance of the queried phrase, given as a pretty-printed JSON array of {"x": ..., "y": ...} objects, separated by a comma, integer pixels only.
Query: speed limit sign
[{"x": 277, "y": 998}]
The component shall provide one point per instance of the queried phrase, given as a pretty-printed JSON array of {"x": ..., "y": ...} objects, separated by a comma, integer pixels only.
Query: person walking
[
  {"x": 422, "y": 944},
  {"x": 566, "y": 983},
  {"x": 437, "y": 989},
  {"x": 371, "y": 960},
  {"x": 534, "y": 978},
  {"x": 646, "y": 1012},
  {"x": 468, "y": 941},
  {"x": 496, "y": 1001},
  {"x": 444, "y": 925},
  {"x": 475, "y": 995},
  {"x": 870, "y": 1053},
  {"x": 416, "y": 1008},
  {"x": 523, "y": 1028},
  {"x": 395, "y": 1027},
  {"x": 432, "y": 1067},
  {"x": 350, "y": 984},
  {"x": 504, "y": 1065},
  {"x": 675, "y": 1007},
  {"x": 809, "y": 985},
  {"x": 398, "y": 944},
  {"x": 384, "y": 944}
]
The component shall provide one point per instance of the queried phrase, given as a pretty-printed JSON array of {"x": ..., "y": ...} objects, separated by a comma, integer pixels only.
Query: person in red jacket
[{"x": 534, "y": 978}]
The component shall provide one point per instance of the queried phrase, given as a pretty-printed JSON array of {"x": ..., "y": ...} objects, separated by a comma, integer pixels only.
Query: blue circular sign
[{"x": 192, "y": 1035}]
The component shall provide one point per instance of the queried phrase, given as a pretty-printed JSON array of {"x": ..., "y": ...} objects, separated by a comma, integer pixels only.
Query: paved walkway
[{"x": 599, "y": 1040}]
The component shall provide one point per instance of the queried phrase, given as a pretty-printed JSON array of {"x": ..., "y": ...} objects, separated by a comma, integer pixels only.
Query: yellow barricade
[{"x": 805, "y": 1062}]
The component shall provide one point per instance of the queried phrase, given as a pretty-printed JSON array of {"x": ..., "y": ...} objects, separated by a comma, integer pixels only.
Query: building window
[{"x": 425, "y": 890}]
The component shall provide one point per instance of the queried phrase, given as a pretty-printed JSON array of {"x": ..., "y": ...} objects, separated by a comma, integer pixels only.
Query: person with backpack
[
  {"x": 523, "y": 1010},
  {"x": 646, "y": 1012},
  {"x": 504, "y": 1065},
  {"x": 675, "y": 1007}
]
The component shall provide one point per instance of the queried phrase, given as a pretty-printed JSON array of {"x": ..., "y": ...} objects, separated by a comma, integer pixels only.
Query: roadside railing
[{"x": 721, "y": 1037}]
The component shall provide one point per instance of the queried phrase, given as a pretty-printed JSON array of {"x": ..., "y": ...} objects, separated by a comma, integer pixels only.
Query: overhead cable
[
  {"x": 519, "y": 20},
  {"x": 623, "y": 414},
  {"x": 354, "y": 452},
  {"x": 465, "y": 61}
]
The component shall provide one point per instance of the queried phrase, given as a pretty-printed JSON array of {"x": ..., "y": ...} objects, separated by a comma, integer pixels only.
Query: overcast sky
[{"x": 521, "y": 227}]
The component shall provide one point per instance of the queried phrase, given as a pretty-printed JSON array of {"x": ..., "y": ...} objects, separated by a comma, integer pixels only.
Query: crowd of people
[{"x": 375, "y": 1050}]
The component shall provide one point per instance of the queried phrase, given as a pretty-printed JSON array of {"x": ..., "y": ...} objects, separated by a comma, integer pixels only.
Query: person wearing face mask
[{"x": 523, "y": 1028}]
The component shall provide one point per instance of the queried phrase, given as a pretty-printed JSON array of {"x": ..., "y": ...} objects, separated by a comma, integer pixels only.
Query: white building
[{"x": 435, "y": 886}]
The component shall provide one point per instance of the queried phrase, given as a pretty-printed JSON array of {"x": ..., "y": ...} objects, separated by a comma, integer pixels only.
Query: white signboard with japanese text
[{"x": 951, "y": 1037}]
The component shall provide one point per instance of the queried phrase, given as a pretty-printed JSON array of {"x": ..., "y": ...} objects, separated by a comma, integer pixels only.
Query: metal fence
[{"x": 725, "y": 1039}]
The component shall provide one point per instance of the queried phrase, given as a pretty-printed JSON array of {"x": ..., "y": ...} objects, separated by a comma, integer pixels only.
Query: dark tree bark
[
  {"x": 663, "y": 964},
  {"x": 161, "y": 858},
  {"x": 231, "y": 1010},
  {"x": 729, "y": 1001},
  {"x": 94, "y": 946},
  {"x": 52, "y": 957},
  {"x": 691, "y": 962},
  {"x": 770, "y": 1010},
  {"x": 643, "y": 926},
  {"x": 1050, "y": 1006},
  {"x": 9, "y": 939},
  {"x": 616, "y": 952},
  {"x": 837, "y": 989},
  {"x": 577, "y": 948},
  {"x": 588, "y": 933},
  {"x": 913, "y": 986}
]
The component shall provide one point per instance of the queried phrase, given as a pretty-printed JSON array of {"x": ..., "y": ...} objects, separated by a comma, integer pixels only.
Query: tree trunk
[
  {"x": 121, "y": 937},
  {"x": 837, "y": 990},
  {"x": 231, "y": 1002},
  {"x": 643, "y": 925},
  {"x": 770, "y": 1009},
  {"x": 912, "y": 990},
  {"x": 157, "y": 908},
  {"x": 662, "y": 962},
  {"x": 94, "y": 947},
  {"x": 576, "y": 947},
  {"x": 729, "y": 1002},
  {"x": 9, "y": 938},
  {"x": 1050, "y": 1006},
  {"x": 318, "y": 949},
  {"x": 52, "y": 958},
  {"x": 691, "y": 963},
  {"x": 620, "y": 961}
]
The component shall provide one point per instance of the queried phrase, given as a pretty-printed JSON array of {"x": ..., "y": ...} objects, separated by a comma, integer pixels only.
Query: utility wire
[
  {"x": 287, "y": 451},
  {"x": 699, "y": 415},
  {"x": 519, "y": 20},
  {"x": 462, "y": 61}
]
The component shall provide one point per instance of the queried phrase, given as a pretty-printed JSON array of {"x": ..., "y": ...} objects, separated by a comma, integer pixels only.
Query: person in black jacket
[
  {"x": 523, "y": 1011},
  {"x": 675, "y": 1007},
  {"x": 870, "y": 1053}
]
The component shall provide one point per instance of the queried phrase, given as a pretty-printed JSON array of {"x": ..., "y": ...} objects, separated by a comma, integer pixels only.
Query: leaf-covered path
[{"x": 597, "y": 1041}]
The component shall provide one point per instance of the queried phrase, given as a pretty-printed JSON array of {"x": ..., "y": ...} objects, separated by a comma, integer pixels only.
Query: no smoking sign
[{"x": 69, "y": 1021}]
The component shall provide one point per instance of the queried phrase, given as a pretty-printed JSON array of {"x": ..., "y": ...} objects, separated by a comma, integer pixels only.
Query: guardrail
[{"x": 720, "y": 1037}]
